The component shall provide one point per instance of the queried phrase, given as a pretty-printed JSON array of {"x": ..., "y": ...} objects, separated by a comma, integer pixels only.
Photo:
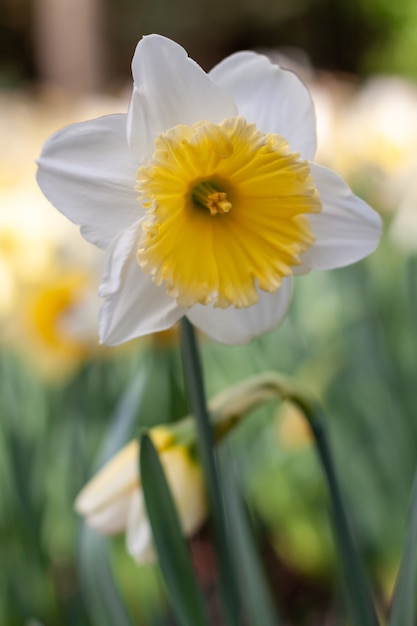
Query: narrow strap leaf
[
  {"x": 403, "y": 606},
  {"x": 184, "y": 593},
  {"x": 101, "y": 595},
  {"x": 256, "y": 597},
  {"x": 124, "y": 416}
]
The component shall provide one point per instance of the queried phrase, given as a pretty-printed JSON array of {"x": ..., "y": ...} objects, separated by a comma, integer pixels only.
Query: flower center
[
  {"x": 206, "y": 195},
  {"x": 203, "y": 171}
]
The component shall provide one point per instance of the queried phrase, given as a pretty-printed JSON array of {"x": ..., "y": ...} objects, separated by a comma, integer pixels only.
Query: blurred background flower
[{"x": 63, "y": 61}]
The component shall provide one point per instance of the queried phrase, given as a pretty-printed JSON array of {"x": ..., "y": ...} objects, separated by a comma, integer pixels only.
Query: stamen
[{"x": 206, "y": 195}]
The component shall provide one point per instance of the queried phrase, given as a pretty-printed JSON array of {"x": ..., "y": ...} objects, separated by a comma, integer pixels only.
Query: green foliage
[
  {"x": 350, "y": 337},
  {"x": 253, "y": 585},
  {"x": 101, "y": 595},
  {"x": 51, "y": 440},
  {"x": 359, "y": 596},
  {"x": 174, "y": 559},
  {"x": 403, "y": 607},
  {"x": 193, "y": 376},
  {"x": 394, "y": 47}
]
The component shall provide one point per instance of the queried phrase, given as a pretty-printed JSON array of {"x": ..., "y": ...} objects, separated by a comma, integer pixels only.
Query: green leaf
[
  {"x": 404, "y": 601},
  {"x": 101, "y": 595},
  {"x": 122, "y": 423},
  {"x": 256, "y": 597},
  {"x": 184, "y": 593},
  {"x": 152, "y": 396},
  {"x": 100, "y": 592}
]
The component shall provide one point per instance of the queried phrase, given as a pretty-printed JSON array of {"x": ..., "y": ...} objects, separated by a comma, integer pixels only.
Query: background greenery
[{"x": 349, "y": 337}]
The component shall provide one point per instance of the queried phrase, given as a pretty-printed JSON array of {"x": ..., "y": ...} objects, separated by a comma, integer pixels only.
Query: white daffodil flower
[
  {"x": 112, "y": 502},
  {"x": 204, "y": 196}
]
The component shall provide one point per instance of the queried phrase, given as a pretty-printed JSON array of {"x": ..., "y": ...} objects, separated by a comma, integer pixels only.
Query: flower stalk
[
  {"x": 195, "y": 388},
  {"x": 360, "y": 603}
]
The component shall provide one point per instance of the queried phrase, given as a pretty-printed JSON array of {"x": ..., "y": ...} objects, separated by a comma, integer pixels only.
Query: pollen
[{"x": 226, "y": 212}]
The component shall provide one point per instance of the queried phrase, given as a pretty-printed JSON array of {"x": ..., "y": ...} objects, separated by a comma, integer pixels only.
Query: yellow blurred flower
[
  {"x": 53, "y": 321},
  {"x": 62, "y": 314},
  {"x": 113, "y": 500},
  {"x": 47, "y": 303}
]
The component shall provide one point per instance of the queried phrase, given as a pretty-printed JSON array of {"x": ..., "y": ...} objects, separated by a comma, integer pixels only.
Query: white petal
[
  {"x": 170, "y": 89},
  {"x": 87, "y": 171},
  {"x": 346, "y": 230},
  {"x": 275, "y": 99},
  {"x": 138, "y": 532},
  {"x": 113, "y": 518},
  {"x": 134, "y": 305},
  {"x": 236, "y": 326},
  {"x": 116, "y": 478}
]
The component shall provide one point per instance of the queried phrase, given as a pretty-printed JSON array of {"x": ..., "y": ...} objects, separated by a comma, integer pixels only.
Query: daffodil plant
[{"x": 207, "y": 202}]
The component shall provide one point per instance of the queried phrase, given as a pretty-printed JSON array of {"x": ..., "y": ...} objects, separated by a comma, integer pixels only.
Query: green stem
[
  {"x": 361, "y": 606},
  {"x": 195, "y": 388}
]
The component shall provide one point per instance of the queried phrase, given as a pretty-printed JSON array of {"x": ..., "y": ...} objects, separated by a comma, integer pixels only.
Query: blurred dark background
[{"x": 44, "y": 39}]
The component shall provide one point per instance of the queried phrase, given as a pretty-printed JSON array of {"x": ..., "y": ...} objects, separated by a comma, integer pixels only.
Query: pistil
[{"x": 206, "y": 195}]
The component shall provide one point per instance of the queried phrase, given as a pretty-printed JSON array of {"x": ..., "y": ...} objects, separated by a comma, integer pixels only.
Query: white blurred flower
[
  {"x": 112, "y": 501},
  {"x": 381, "y": 125},
  {"x": 403, "y": 229},
  {"x": 369, "y": 133},
  {"x": 204, "y": 196}
]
